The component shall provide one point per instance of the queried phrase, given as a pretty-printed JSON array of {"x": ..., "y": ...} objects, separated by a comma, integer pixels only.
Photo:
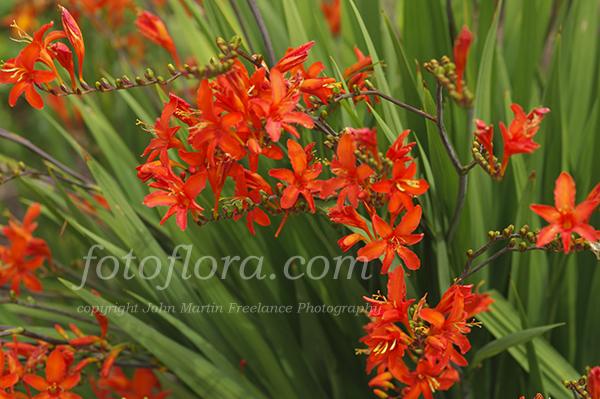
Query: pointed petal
[{"x": 564, "y": 192}]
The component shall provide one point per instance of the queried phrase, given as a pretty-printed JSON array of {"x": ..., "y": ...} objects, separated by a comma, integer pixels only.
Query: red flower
[
  {"x": 564, "y": 217},
  {"x": 178, "y": 195},
  {"x": 20, "y": 71},
  {"x": 399, "y": 151},
  {"x": 430, "y": 376},
  {"x": 390, "y": 241},
  {"x": 9, "y": 376},
  {"x": 461, "y": 51},
  {"x": 301, "y": 180},
  {"x": 143, "y": 385},
  {"x": 394, "y": 307},
  {"x": 214, "y": 129},
  {"x": 25, "y": 253},
  {"x": 58, "y": 382},
  {"x": 155, "y": 29},
  {"x": 333, "y": 14},
  {"x": 294, "y": 57},
  {"x": 518, "y": 137},
  {"x": 357, "y": 73},
  {"x": 313, "y": 85},
  {"x": 449, "y": 323},
  {"x": 75, "y": 37},
  {"x": 249, "y": 189},
  {"x": 279, "y": 110},
  {"x": 402, "y": 187},
  {"x": 351, "y": 179},
  {"x": 593, "y": 383},
  {"x": 165, "y": 134}
]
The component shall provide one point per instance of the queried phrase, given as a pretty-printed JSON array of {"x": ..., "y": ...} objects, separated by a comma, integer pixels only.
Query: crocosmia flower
[
  {"x": 518, "y": 137},
  {"x": 565, "y": 217},
  {"x": 20, "y": 72},
  {"x": 75, "y": 37},
  {"x": 461, "y": 52},
  {"x": 58, "y": 382},
  {"x": 155, "y": 29}
]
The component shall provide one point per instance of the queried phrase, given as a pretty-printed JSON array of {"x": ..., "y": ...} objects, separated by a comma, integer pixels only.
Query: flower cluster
[
  {"x": 24, "y": 254},
  {"x": 417, "y": 345},
  {"x": 239, "y": 119},
  {"x": 46, "y": 368},
  {"x": 517, "y": 139},
  {"x": 44, "y": 48}
]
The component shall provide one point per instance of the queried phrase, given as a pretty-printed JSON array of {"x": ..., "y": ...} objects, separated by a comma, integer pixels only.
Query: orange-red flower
[
  {"x": 430, "y": 375},
  {"x": 461, "y": 52},
  {"x": 143, "y": 385},
  {"x": 518, "y": 137},
  {"x": 20, "y": 72},
  {"x": 75, "y": 37},
  {"x": 356, "y": 75},
  {"x": 389, "y": 241},
  {"x": 448, "y": 322},
  {"x": 9, "y": 376},
  {"x": 302, "y": 179},
  {"x": 401, "y": 187},
  {"x": 593, "y": 383},
  {"x": 280, "y": 110},
  {"x": 332, "y": 12},
  {"x": 564, "y": 217},
  {"x": 177, "y": 194},
  {"x": 24, "y": 254},
  {"x": 152, "y": 27},
  {"x": 351, "y": 179},
  {"x": 214, "y": 129},
  {"x": 294, "y": 57},
  {"x": 399, "y": 151},
  {"x": 58, "y": 382},
  {"x": 165, "y": 134}
]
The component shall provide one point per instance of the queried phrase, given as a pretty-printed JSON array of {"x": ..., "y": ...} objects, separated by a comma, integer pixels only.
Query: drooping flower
[
  {"x": 565, "y": 217},
  {"x": 152, "y": 27},
  {"x": 301, "y": 180},
  {"x": 461, "y": 51},
  {"x": 20, "y": 72},
  {"x": 518, "y": 137},
  {"x": 59, "y": 380},
  {"x": 75, "y": 37}
]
